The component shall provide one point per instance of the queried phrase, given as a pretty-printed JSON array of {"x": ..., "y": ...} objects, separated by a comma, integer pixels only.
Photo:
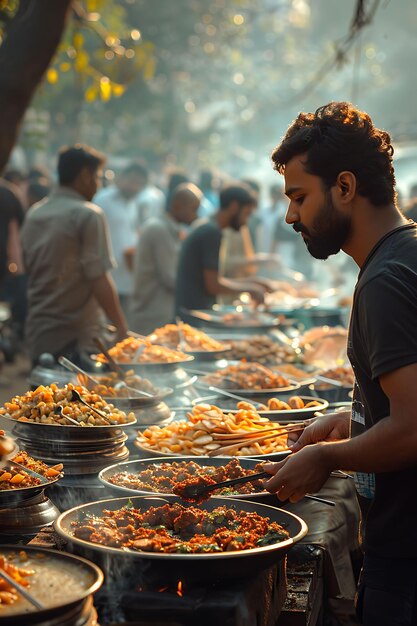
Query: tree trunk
[{"x": 32, "y": 37}]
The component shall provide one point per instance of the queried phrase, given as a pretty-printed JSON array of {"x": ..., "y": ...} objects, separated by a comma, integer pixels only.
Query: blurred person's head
[
  {"x": 37, "y": 190},
  {"x": 37, "y": 172},
  {"x": 176, "y": 177},
  {"x": 15, "y": 176},
  {"x": 79, "y": 167},
  {"x": 334, "y": 161},
  {"x": 132, "y": 179},
  {"x": 208, "y": 181},
  {"x": 185, "y": 201},
  {"x": 276, "y": 193},
  {"x": 237, "y": 202}
]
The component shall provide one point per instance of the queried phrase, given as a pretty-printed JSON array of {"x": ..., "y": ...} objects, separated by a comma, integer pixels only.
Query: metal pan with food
[
  {"x": 219, "y": 551},
  {"x": 143, "y": 356},
  {"x": 292, "y": 408},
  {"x": 248, "y": 378},
  {"x": 61, "y": 584},
  {"x": 23, "y": 477},
  {"x": 72, "y": 410},
  {"x": 236, "y": 317},
  {"x": 129, "y": 393},
  {"x": 208, "y": 431},
  {"x": 189, "y": 340},
  {"x": 159, "y": 477}
]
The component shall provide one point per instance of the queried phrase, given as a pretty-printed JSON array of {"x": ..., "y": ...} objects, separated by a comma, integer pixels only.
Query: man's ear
[{"x": 346, "y": 187}]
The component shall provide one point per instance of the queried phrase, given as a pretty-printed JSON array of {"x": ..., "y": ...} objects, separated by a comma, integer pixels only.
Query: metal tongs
[{"x": 195, "y": 492}]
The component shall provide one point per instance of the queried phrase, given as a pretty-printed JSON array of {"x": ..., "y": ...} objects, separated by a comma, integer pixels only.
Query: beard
[{"x": 330, "y": 230}]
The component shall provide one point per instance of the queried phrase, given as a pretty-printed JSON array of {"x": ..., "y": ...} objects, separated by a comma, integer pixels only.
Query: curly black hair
[{"x": 338, "y": 137}]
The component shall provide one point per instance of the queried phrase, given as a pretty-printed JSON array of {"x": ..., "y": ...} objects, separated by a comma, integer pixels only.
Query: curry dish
[
  {"x": 178, "y": 529},
  {"x": 163, "y": 477}
]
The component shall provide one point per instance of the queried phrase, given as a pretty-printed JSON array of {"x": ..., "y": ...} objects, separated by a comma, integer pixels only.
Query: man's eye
[{"x": 299, "y": 200}]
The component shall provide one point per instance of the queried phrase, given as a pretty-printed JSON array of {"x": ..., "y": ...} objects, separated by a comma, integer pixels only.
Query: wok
[
  {"x": 173, "y": 567},
  {"x": 203, "y": 461}
]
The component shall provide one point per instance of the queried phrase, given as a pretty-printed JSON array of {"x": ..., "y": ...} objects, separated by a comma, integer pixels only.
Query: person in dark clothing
[
  {"x": 12, "y": 277},
  {"x": 198, "y": 280},
  {"x": 340, "y": 182}
]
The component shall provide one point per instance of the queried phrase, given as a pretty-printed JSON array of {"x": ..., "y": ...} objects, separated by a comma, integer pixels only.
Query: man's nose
[{"x": 292, "y": 215}]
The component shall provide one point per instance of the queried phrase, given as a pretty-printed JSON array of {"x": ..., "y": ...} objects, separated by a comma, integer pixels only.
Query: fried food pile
[
  {"x": 108, "y": 385},
  {"x": 125, "y": 352},
  {"x": 40, "y": 406},
  {"x": 246, "y": 376},
  {"x": 260, "y": 348},
  {"x": 178, "y": 529},
  {"x": 197, "y": 435},
  {"x": 195, "y": 340},
  {"x": 13, "y": 477}
]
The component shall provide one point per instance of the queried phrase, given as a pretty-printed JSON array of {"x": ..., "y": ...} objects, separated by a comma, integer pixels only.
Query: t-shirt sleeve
[
  {"x": 210, "y": 248},
  {"x": 96, "y": 254},
  {"x": 388, "y": 322}
]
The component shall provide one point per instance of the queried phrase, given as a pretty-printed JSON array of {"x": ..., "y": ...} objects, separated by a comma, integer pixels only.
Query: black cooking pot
[{"x": 168, "y": 568}]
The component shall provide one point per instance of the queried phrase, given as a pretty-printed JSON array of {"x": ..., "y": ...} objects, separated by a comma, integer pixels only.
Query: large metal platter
[
  {"x": 247, "y": 321},
  {"x": 93, "y": 576},
  {"x": 149, "y": 453},
  {"x": 146, "y": 369},
  {"x": 252, "y": 392},
  {"x": 204, "y": 461},
  {"x": 292, "y": 414},
  {"x": 201, "y": 567},
  {"x": 63, "y": 432}
]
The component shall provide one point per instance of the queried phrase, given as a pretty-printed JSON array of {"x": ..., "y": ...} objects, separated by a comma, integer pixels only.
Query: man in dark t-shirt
[
  {"x": 198, "y": 280},
  {"x": 341, "y": 185}
]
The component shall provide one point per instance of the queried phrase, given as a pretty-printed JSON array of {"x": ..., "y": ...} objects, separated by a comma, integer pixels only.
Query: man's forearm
[
  {"x": 106, "y": 295},
  {"x": 385, "y": 447}
]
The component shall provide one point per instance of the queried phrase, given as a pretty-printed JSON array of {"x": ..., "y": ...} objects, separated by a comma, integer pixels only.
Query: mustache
[{"x": 300, "y": 228}]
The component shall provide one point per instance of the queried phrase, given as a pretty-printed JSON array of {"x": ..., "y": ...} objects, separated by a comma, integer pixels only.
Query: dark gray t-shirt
[
  {"x": 383, "y": 338},
  {"x": 200, "y": 251}
]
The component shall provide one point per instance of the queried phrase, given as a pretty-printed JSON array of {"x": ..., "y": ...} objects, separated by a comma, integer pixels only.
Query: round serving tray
[
  {"x": 149, "y": 453},
  {"x": 252, "y": 392},
  {"x": 201, "y": 567},
  {"x": 288, "y": 414},
  {"x": 204, "y": 461},
  {"x": 215, "y": 319}
]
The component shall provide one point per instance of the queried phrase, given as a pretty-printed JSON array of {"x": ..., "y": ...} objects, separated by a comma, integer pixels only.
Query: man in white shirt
[
  {"x": 119, "y": 203},
  {"x": 155, "y": 268}
]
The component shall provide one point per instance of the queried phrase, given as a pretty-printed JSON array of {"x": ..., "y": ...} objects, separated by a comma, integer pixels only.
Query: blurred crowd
[{"x": 85, "y": 245}]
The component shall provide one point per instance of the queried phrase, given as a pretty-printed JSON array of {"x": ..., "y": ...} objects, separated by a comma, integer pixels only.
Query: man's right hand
[{"x": 332, "y": 427}]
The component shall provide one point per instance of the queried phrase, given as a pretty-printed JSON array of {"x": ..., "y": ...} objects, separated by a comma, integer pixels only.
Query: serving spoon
[{"x": 75, "y": 397}]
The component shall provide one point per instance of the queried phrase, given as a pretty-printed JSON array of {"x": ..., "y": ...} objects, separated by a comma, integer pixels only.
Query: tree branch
[{"x": 32, "y": 37}]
